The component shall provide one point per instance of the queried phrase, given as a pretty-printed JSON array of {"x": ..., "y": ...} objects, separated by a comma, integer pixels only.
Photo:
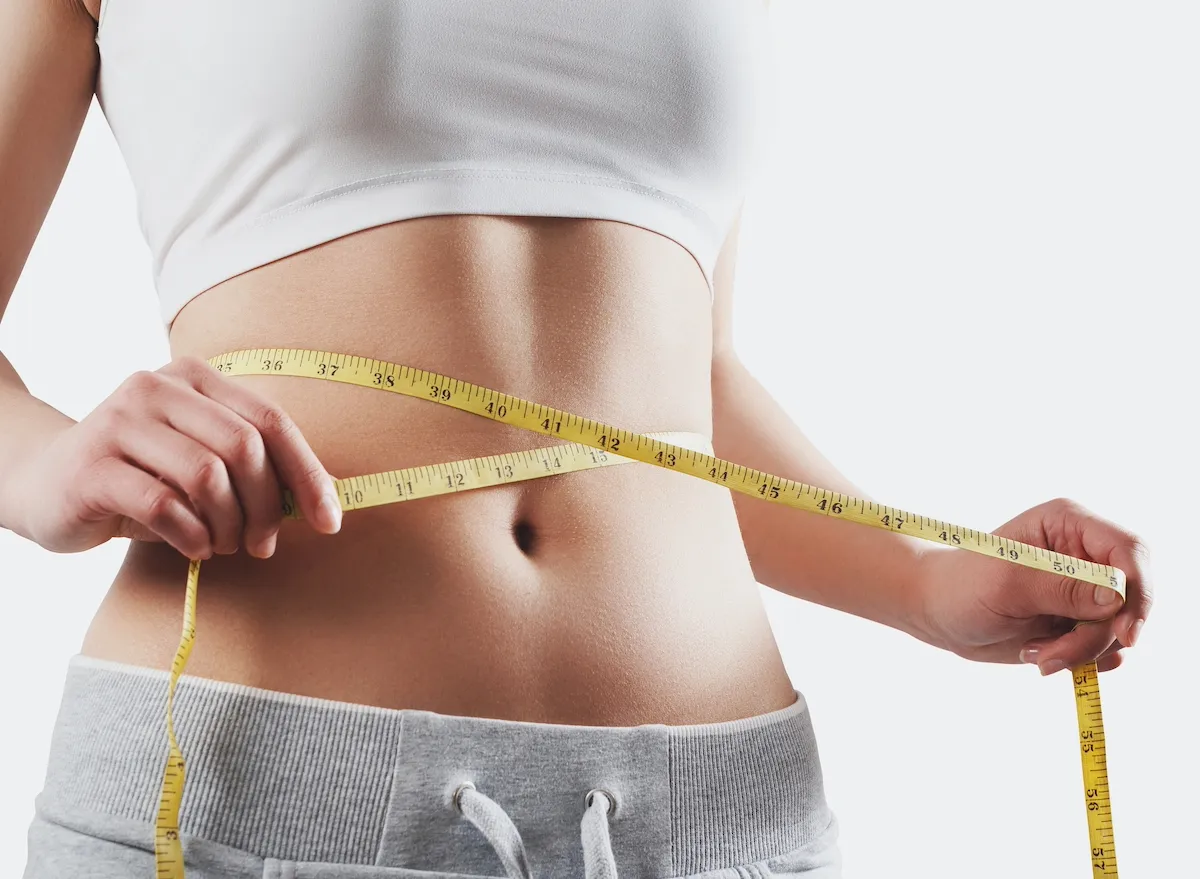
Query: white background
[{"x": 968, "y": 269}]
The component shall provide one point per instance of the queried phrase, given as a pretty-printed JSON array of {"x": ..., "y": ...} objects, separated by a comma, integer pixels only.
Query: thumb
[
  {"x": 1037, "y": 593},
  {"x": 1078, "y": 599}
]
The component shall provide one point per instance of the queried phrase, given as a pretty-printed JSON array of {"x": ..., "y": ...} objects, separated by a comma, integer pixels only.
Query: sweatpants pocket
[
  {"x": 820, "y": 859},
  {"x": 276, "y": 869},
  {"x": 56, "y": 850},
  {"x": 77, "y": 842},
  {"x": 826, "y": 865}
]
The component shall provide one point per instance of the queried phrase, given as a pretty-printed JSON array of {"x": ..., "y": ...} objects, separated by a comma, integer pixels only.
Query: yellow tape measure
[{"x": 595, "y": 444}]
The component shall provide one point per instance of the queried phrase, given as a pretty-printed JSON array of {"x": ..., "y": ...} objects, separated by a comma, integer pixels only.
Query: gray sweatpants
[{"x": 288, "y": 786}]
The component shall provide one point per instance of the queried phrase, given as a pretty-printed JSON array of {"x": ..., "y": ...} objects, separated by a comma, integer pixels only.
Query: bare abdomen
[{"x": 614, "y": 596}]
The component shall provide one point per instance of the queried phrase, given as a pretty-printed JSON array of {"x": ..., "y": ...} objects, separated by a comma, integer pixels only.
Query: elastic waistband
[{"x": 311, "y": 780}]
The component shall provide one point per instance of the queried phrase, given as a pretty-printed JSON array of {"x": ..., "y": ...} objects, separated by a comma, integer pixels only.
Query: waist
[
  {"x": 635, "y": 604},
  {"x": 318, "y": 782}
]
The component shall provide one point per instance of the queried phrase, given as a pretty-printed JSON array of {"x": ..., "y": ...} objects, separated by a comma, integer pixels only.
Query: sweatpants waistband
[{"x": 311, "y": 780}]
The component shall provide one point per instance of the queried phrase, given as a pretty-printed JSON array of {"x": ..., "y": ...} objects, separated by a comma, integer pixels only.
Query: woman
[{"x": 569, "y": 676}]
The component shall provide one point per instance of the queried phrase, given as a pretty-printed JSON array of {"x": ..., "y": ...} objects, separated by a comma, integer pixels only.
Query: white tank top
[{"x": 253, "y": 129}]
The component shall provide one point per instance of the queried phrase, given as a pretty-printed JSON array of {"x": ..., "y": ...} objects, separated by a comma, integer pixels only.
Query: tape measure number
[{"x": 588, "y": 436}]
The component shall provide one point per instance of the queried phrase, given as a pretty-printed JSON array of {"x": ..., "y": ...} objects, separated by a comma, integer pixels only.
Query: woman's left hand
[{"x": 994, "y": 611}]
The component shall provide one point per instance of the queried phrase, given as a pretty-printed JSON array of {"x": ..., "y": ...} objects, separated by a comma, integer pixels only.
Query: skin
[{"x": 617, "y": 614}]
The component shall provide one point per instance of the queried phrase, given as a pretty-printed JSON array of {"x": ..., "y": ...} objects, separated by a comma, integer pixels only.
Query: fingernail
[
  {"x": 1135, "y": 629},
  {"x": 1105, "y": 596},
  {"x": 1052, "y": 666},
  {"x": 1029, "y": 654},
  {"x": 331, "y": 512},
  {"x": 265, "y": 548}
]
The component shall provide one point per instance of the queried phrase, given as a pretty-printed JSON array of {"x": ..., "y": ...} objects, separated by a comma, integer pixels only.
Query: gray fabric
[{"x": 287, "y": 786}]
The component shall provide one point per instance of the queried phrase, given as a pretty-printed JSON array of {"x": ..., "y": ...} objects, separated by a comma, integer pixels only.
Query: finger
[
  {"x": 295, "y": 462},
  {"x": 1085, "y": 643},
  {"x": 119, "y": 488},
  {"x": 195, "y": 469},
  {"x": 1111, "y": 658},
  {"x": 1032, "y": 650},
  {"x": 1130, "y": 555},
  {"x": 239, "y": 444}
]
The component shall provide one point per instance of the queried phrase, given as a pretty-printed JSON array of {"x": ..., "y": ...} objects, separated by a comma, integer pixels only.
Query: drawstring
[
  {"x": 498, "y": 829},
  {"x": 598, "y": 860}
]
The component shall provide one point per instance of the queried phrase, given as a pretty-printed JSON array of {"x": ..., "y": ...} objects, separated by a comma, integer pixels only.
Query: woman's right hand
[{"x": 183, "y": 455}]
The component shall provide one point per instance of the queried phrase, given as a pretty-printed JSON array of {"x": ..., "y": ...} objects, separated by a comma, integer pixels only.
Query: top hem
[{"x": 344, "y": 210}]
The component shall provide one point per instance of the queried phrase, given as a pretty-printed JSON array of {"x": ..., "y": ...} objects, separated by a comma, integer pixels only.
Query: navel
[{"x": 525, "y": 535}]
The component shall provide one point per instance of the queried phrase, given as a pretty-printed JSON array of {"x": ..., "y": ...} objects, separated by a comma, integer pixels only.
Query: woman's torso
[{"x": 635, "y": 601}]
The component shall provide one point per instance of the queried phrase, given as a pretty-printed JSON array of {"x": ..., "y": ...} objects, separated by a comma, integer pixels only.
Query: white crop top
[{"x": 253, "y": 129}]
